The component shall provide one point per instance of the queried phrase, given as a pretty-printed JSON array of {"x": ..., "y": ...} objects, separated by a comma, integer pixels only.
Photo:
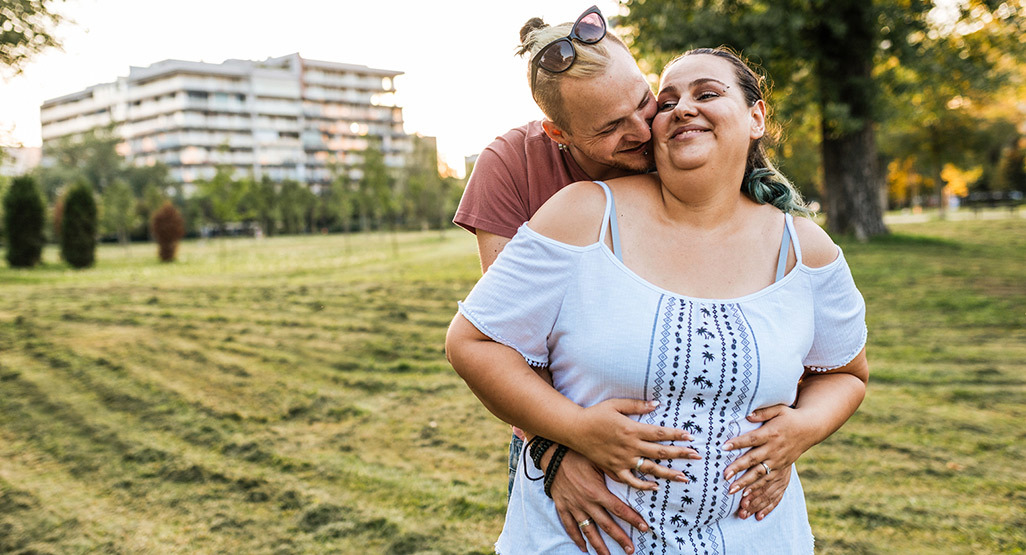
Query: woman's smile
[{"x": 685, "y": 132}]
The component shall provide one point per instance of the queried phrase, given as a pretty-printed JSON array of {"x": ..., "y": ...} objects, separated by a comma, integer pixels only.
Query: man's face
[{"x": 610, "y": 117}]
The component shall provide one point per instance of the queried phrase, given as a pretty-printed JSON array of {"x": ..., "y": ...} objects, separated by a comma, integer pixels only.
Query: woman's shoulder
[
  {"x": 818, "y": 249},
  {"x": 573, "y": 215}
]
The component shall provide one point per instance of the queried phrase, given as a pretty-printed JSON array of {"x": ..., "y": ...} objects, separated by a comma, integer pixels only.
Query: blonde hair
[{"x": 591, "y": 60}]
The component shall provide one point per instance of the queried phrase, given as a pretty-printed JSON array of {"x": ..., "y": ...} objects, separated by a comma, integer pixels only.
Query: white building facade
[{"x": 286, "y": 118}]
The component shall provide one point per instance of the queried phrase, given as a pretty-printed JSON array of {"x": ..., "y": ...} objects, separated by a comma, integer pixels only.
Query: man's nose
[{"x": 641, "y": 127}]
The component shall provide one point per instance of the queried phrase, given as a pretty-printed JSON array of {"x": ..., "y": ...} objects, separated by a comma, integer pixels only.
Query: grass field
[{"x": 291, "y": 395}]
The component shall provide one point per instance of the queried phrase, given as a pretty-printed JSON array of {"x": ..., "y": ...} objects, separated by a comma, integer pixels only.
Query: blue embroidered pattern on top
[{"x": 704, "y": 376}]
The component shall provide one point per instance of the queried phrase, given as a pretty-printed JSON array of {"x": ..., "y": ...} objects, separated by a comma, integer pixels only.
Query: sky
[{"x": 462, "y": 82}]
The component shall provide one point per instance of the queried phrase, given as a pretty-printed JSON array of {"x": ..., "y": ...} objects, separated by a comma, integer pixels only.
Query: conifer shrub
[
  {"x": 167, "y": 227},
  {"x": 79, "y": 226},
  {"x": 24, "y": 218}
]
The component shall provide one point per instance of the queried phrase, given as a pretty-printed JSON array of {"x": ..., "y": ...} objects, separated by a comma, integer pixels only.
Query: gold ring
[{"x": 585, "y": 522}]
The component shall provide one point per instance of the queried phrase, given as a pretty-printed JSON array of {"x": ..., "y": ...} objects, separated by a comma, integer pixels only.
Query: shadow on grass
[{"x": 921, "y": 243}]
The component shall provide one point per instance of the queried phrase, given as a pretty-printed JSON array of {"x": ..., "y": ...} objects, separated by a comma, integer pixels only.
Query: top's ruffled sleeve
[
  {"x": 840, "y": 313},
  {"x": 517, "y": 301}
]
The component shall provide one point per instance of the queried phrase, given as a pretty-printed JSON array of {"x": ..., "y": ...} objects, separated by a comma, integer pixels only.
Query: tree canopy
[
  {"x": 842, "y": 68},
  {"x": 26, "y": 28}
]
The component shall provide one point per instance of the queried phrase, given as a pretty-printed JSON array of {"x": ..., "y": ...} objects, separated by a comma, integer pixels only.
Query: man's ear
[{"x": 554, "y": 132}]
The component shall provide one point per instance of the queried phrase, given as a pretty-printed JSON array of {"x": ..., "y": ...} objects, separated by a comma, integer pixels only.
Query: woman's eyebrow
[
  {"x": 693, "y": 84},
  {"x": 703, "y": 80}
]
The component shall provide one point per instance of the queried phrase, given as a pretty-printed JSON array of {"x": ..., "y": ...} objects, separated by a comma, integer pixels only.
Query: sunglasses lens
[
  {"x": 557, "y": 56},
  {"x": 591, "y": 28}
]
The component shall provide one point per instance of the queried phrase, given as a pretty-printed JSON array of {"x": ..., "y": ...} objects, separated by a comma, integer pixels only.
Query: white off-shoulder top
[{"x": 604, "y": 332}]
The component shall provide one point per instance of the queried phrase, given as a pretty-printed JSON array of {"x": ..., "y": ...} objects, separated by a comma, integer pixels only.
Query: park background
[{"x": 290, "y": 393}]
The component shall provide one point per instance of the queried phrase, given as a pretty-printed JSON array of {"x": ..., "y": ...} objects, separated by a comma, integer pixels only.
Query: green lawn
[{"x": 291, "y": 395}]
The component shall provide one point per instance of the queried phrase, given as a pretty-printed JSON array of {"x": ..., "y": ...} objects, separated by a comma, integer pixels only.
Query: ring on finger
[
  {"x": 766, "y": 466},
  {"x": 584, "y": 523},
  {"x": 637, "y": 466}
]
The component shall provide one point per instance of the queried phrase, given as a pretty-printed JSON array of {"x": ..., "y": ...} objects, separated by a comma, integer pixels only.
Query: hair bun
[{"x": 532, "y": 24}]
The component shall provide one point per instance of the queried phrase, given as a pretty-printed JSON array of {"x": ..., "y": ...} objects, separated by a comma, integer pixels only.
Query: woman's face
[{"x": 703, "y": 117}]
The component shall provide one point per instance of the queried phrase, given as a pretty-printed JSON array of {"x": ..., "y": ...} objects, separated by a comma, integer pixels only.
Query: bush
[
  {"x": 78, "y": 227},
  {"x": 24, "y": 215},
  {"x": 168, "y": 227}
]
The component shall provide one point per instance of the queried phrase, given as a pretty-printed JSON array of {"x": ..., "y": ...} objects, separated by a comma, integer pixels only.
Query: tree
[
  {"x": 339, "y": 200},
  {"x": 222, "y": 196},
  {"x": 296, "y": 203},
  {"x": 78, "y": 228},
  {"x": 168, "y": 228},
  {"x": 151, "y": 199},
  {"x": 25, "y": 30},
  {"x": 92, "y": 156},
  {"x": 261, "y": 204},
  {"x": 425, "y": 202},
  {"x": 24, "y": 215},
  {"x": 119, "y": 214},
  {"x": 375, "y": 199},
  {"x": 822, "y": 54},
  {"x": 951, "y": 122},
  {"x": 1011, "y": 170}
]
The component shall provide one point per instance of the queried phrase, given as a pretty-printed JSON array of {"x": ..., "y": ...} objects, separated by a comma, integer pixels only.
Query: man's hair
[
  {"x": 763, "y": 182},
  {"x": 591, "y": 60}
]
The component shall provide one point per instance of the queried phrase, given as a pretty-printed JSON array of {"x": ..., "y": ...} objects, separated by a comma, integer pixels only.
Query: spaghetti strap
[
  {"x": 785, "y": 244},
  {"x": 610, "y": 216}
]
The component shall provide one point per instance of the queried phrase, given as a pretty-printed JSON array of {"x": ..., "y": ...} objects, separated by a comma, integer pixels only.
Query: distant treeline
[{"x": 370, "y": 196}]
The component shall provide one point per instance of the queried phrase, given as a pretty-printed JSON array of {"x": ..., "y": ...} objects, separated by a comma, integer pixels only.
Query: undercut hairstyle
[
  {"x": 591, "y": 60},
  {"x": 763, "y": 182}
]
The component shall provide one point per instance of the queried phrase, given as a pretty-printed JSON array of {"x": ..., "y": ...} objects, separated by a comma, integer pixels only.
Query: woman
[{"x": 698, "y": 291}]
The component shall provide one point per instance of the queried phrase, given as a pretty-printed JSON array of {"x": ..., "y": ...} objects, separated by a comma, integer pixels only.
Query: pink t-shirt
[{"x": 512, "y": 178}]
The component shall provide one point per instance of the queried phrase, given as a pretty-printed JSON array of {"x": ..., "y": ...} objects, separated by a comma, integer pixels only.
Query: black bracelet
[
  {"x": 550, "y": 471},
  {"x": 529, "y": 449},
  {"x": 539, "y": 446}
]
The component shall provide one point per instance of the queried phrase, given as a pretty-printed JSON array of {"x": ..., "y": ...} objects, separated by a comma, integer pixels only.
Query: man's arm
[{"x": 489, "y": 245}]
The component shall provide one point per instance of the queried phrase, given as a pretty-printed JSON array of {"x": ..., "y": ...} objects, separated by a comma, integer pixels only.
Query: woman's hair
[
  {"x": 763, "y": 182},
  {"x": 591, "y": 60}
]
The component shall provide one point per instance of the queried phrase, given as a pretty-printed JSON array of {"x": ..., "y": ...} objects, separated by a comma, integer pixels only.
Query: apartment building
[{"x": 286, "y": 117}]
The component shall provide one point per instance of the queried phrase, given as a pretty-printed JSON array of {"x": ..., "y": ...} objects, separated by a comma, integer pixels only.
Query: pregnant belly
[{"x": 677, "y": 509}]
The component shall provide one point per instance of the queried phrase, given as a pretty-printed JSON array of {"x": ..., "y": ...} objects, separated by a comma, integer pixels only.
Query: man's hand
[{"x": 579, "y": 492}]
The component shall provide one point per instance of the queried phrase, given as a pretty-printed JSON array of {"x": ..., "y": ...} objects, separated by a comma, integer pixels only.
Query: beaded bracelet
[
  {"x": 550, "y": 471},
  {"x": 530, "y": 449},
  {"x": 538, "y": 448}
]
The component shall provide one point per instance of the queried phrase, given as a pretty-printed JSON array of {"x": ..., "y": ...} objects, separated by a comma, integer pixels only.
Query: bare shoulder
[
  {"x": 573, "y": 215},
  {"x": 818, "y": 249}
]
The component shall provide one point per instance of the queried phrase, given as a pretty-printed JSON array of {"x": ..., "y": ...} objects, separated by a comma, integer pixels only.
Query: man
[{"x": 599, "y": 108}]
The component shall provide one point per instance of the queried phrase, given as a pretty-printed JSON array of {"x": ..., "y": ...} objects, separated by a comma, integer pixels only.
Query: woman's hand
[
  {"x": 777, "y": 443},
  {"x": 607, "y": 437},
  {"x": 826, "y": 399}
]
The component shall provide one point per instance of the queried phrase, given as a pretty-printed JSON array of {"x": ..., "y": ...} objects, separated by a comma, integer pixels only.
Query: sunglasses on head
[{"x": 558, "y": 55}]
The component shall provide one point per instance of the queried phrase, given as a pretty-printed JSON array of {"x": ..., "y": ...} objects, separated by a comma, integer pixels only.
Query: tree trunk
[
  {"x": 846, "y": 37},
  {"x": 852, "y": 188}
]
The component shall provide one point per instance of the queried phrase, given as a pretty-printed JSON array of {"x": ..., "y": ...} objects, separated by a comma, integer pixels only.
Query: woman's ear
[{"x": 758, "y": 113}]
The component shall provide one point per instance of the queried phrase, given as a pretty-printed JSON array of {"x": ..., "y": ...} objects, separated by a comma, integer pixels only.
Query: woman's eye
[
  {"x": 669, "y": 105},
  {"x": 706, "y": 95}
]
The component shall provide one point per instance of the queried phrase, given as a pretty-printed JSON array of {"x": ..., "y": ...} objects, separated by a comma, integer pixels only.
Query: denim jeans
[{"x": 515, "y": 446}]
